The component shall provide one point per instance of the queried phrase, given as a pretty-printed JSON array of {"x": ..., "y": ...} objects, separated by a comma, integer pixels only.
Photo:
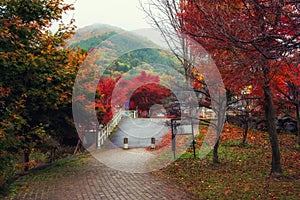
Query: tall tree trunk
[
  {"x": 216, "y": 156},
  {"x": 246, "y": 128},
  {"x": 26, "y": 159},
  {"x": 298, "y": 121},
  {"x": 221, "y": 110},
  {"x": 219, "y": 128},
  {"x": 271, "y": 126}
]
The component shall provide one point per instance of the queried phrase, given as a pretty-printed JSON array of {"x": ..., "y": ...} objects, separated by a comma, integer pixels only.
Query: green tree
[{"x": 37, "y": 74}]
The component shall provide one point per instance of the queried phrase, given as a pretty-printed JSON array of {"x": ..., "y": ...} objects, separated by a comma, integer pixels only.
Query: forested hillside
[
  {"x": 95, "y": 36},
  {"x": 123, "y": 57}
]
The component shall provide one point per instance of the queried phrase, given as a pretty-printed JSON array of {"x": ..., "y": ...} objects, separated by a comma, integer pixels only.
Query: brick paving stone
[{"x": 92, "y": 180}]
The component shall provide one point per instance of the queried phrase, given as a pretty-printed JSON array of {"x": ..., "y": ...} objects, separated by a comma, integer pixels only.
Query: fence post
[{"x": 98, "y": 139}]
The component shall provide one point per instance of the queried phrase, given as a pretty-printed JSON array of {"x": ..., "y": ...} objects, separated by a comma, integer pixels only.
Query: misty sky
[{"x": 125, "y": 14}]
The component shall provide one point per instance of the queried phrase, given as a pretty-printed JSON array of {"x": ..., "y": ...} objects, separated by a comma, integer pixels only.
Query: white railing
[
  {"x": 104, "y": 132},
  {"x": 130, "y": 113}
]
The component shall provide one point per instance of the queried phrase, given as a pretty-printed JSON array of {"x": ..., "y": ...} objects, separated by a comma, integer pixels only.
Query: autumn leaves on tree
[
  {"x": 37, "y": 75},
  {"x": 141, "y": 92},
  {"x": 254, "y": 43},
  {"x": 252, "y": 40}
]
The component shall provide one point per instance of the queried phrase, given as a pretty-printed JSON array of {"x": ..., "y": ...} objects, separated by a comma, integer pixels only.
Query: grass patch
[
  {"x": 234, "y": 143},
  {"x": 297, "y": 147},
  {"x": 57, "y": 170},
  {"x": 243, "y": 172}
]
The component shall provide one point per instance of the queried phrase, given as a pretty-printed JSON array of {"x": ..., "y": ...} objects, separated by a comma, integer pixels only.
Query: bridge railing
[{"x": 104, "y": 132}]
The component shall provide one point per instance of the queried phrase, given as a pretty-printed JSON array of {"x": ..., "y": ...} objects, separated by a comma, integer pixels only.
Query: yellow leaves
[
  {"x": 49, "y": 48},
  {"x": 252, "y": 138},
  {"x": 31, "y": 56},
  {"x": 15, "y": 116},
  {"x": 43, "y": 52},
  {"x": 247, "y": 90},
  {"x": 21, "y": 45},
  {"x": 2, "y": 136}
]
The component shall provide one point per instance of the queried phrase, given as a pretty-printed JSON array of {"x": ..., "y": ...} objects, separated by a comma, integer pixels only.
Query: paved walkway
[
  {"x": 87, "y": 178},
  {"x": 139, "y": 132},
  {"x": 90, "y": 179}
]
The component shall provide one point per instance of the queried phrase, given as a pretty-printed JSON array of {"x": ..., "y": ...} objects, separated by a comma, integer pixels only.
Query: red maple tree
[{"x": 249, "y": 40}]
